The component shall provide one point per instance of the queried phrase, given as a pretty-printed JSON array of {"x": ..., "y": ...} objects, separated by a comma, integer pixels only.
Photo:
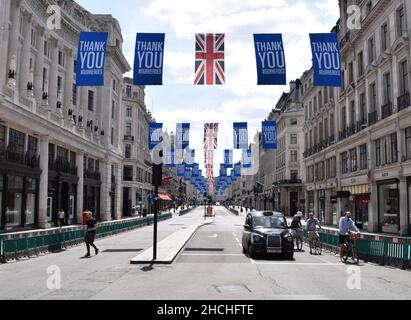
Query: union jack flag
[
  {"x": 209, "y": 67},
  {"x": 210, "y": 136}
]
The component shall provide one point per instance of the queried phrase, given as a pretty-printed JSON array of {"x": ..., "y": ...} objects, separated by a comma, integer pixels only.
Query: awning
[{"x": 164, "y": 197}]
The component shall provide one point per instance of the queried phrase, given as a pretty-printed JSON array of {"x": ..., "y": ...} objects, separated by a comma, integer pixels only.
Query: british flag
[
  {"x": 209, "y": 67},
  {"x": 210, "y": 136}
]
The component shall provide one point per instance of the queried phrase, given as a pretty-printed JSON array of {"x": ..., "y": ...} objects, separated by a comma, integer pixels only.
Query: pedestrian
[
  {"x": 62, "y": 217},
  {"x": 90, "y": 234}
]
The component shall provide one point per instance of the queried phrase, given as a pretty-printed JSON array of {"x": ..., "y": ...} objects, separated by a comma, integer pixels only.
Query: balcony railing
[
  {"x": 343, "y": 135},
  {"x": 387, "y": 110},
  {"x": 403, "y": 101},
  {"x": 127, "y": 178},
  {"x": 93, "y": 175},
  {"x": 372, "y": 118},
  {"x": 20, "y": 158},
  {"x": 128, "y": 138},
  {"x": 60, "y": 165},
  {"x": 331, "y": 140},
  {"x": 361, "y": 125}
]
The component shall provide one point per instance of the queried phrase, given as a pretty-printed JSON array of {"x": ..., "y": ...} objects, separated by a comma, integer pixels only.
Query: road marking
[
  {"x": 213, "y": 254},
  {"x": 214, "y": 236},
  {"x": 299, "y": 264}
]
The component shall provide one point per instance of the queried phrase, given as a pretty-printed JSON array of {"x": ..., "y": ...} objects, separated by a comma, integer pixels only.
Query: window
[
  {"x": 33, "y": 38},
  {"x": 402, "y": 29},
  {"x": 387, "y": 88},
  {"x": 352, "y": 113},
  {"x": 378, "y": 153},
  {"x": 294, "y": 139},
  {"x": 293, "y": 122},
  {"x": 368, "y": 7},
  {"x": 353, "y": 160},
  {"x": 344, "y": 162},
  {"x": 343, "y": 80},
  {"x": 127, "y": 130},
  {"x": 294, "y": 156},
  {"x": 44, "y": 89},
  {"x": 61, "y": 58},
  {"x": 129, "y": 112},
  {"x": 373, "y": 97},
  {"x": 2, "y": 140},
  {"x": 32, "y": 147},
  {"x": 363, "y": 109},
  {"x": 360, "y": 64},
  {"x": 59, "y": 84},
  {"x": 112, "y": 136},
  {"x": 75, "y": 66},
  {"x": 128, "y": 151},
  {"x": 385, "y": 37},
  {"x": 113, "y": 109},
  {"x": 343, "y": 118},
  {"x": 52, "y": 153},
  {"x": 114, "y": 84},
  {"x": 62, "y": 155},
  {"x": 46, "y": 50},
  {"x": 408, "y": 143},
  {"x": 294, "y": 174},
  {"x": 326, "y": 129},
  {"x": 74, "y": 95},
  {"x": 16, "y": 141},
  {"x": 128, "y": 173},
  {"x": 332, "y": 124},
  {"x": 371, "y": 50},
  {"x": 91, "y": 100},
  {"x": 394, "y": 148},
  {"x": 404, "y": 87},
  {"x": 363, "y": 157},
  {"x": 315, "y": 104},
  {"x": 128, "y": 91}
]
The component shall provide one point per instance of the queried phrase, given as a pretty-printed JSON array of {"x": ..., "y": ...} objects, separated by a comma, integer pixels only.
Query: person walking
[
  {"x": 62, "y": 218},
  {"x": 90, "y": 234}
]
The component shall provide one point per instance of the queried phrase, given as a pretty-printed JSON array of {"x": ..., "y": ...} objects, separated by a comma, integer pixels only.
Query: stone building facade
[{"x": 61, "y": 146}]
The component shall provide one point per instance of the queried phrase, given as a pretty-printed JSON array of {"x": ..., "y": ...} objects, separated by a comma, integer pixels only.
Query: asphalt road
[{"x": 211, "y": 266}]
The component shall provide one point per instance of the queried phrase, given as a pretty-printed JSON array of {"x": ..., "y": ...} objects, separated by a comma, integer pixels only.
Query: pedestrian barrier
[
  {"x": 185, "y": 211},
  {"x": 381, "y": 249},
  {"x": 234, "y": 211},
  {"x": 17, "y": 246}
]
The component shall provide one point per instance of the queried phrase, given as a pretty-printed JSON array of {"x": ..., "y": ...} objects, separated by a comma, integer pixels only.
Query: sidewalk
[{"x": 170, "y": 247}]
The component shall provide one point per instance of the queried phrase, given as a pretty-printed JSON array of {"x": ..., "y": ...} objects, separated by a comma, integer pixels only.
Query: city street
[{"x": 211, "y": 266}]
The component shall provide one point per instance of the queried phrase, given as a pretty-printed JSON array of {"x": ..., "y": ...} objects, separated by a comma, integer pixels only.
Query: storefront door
[{"x": 389, "y": 207}]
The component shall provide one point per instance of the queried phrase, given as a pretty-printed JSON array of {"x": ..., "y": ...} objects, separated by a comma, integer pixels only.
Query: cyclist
[
  {"x": 346, "y": 225},
  {"x": 296, "y": 224},
  {"x": 311, "y": 226}
]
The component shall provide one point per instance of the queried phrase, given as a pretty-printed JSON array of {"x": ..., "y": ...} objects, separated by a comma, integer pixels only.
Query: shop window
[
  {"x": 389, "y": 213},
  {"x": 71, "y": 207},
  {"x": 49, "y": 209},
  {"x": 14, "y": 201},
  {"x": 394, "y": 148},
  {"x": 30, "y": 208},
  {"x": 32, "y": 147},
  {"x": 353, "y": 158}
]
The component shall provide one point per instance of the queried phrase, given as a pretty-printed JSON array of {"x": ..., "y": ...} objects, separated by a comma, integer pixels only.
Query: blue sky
[{"x": 240, "y": 99}]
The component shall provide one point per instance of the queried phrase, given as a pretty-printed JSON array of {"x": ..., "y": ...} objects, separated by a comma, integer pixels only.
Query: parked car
[{"x": 267, "y": 233}]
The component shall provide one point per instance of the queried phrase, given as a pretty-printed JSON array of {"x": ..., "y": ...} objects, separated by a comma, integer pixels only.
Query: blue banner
[
  {"x": 91, "y": 55},
  {"x": 237, "y": 170},
  {"x": 187, "y": 174},
  {"x": 240, "y": 135},
  {"x": 196, "y": 170},
  {"x": 189, "y": 157},
  {"x": 228, "y": 159},
  {"x": 183, "y": 136},
  {"x": 247, "y": 159},
  {"x": 155, "y": 135},
  {"x": 269, "y": 51},
  {"x": 326, "y": 59},
  {"x": 223, "y": 170},
  {"x": 269, "y": 135},
  {"x": 148, "y": 60},
  {"x": 170, "y": 160},
  {"x": 181, "y": 169}
]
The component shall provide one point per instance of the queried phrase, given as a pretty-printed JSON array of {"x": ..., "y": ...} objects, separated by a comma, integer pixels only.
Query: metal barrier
[
  {"x": 34, "y": 243},
  {"x": 381, "y": 249},
  {"x": 185, "y": 211}
]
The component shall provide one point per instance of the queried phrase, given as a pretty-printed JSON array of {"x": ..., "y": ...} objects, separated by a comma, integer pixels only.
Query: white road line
[
  {"x": 213, "y": 255},
  {"x": 299, "y": 264}
]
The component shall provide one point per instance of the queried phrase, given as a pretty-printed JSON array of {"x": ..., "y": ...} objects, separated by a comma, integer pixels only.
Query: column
[
  {"x": 25, "y": 55},
  {"x": 38, "y": 68},
  {"x": 80, "y": 185},
  {"x": 53, "y": 74},
  {"x": 373, "y": 209},
  {"x": 119, "y": 191},
  {"x": 68, "y": 85},
  {"x": 105, "y": 169},
  {"x": 403, "y": 207},
  {"x": 316, "y": 209},
  {"x": 327, "y": 208},
  {"x": 13, "y": 39},
  {"x": 43, "y": 185}
]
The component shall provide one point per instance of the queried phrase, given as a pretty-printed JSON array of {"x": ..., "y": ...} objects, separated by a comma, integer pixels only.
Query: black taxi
[{"x": 267, "y": 233}]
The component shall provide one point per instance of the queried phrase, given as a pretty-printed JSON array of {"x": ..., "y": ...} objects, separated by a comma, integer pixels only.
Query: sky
[{"x": 240, "y": 100}]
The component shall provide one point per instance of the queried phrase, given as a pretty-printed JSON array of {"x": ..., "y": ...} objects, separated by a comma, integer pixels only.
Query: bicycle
[
  {"x": 350, "y": 248},
  {"x": 298, "y": 238},
  {"x": 316, "y": 244}
]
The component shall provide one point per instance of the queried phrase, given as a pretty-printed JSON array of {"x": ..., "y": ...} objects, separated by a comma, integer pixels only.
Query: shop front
[
  {"x": 389, "y": 206},
  {"x": 321, "y": 205},
  {"x": 310, "y": 201},
  {"x": 409, "y": 203},
  {"x": 357, "y": 204}
]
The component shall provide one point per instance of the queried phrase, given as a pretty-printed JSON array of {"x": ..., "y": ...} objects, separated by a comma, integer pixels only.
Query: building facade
[
  {"x": 61, "y": 146},
  {"x": 361, "y": 161},
  {"x": 137, "y": 166}
]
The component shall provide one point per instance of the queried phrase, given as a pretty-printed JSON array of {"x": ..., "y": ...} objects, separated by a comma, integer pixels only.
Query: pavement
[{"x": 210, "y": 266}]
